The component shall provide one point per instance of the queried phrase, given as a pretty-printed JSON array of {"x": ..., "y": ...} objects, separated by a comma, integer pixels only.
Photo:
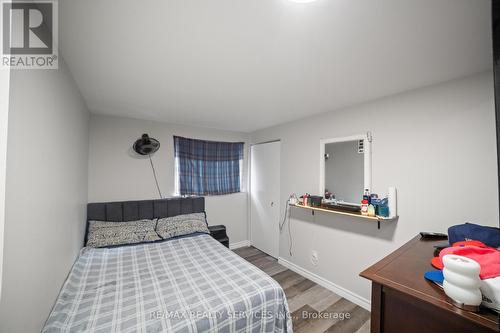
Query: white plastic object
[
  {"x": 392, "y": 202},
  {"x": 490, "y": 288},
  {"x": 461, "y": 279}
]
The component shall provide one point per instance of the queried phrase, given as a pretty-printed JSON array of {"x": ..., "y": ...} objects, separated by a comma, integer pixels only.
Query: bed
[{"x": 186, "y": 284}]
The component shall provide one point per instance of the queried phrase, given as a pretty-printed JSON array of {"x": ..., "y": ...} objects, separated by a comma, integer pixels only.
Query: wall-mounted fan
[{"x": 148, "y": 146}]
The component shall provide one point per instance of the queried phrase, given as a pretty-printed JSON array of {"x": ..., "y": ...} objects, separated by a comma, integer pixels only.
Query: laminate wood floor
[{"x": 314, "y": 309}]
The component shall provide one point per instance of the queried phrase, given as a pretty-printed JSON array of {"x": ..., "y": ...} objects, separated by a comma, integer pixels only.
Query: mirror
[{"x": 345, "y": 168}]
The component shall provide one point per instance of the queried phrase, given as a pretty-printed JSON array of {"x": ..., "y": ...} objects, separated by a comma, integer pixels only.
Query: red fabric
[
  {"x": 436, "y": 261},
  {"x": 487, "y": 257}
]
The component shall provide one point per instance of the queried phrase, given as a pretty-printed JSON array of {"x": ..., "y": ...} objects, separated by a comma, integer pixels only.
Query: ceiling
[{"x": 244, "y": 65}]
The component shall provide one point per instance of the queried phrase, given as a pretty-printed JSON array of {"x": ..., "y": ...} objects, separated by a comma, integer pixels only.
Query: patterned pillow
[
  {"x": 179, "y": 225},
  {"x": 103, "y": 234}
]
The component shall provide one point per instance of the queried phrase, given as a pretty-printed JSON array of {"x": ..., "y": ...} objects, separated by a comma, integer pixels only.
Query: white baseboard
[
  {"x": 349, "y": 295},
  {"x": 236, "y": 245}
]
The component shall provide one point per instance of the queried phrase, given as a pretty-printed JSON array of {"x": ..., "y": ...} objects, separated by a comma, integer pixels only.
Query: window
[{"x": 207, "y": 167}]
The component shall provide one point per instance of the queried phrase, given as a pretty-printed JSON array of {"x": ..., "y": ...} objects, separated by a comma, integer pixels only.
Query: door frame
[{"x": 250, "y": 236}]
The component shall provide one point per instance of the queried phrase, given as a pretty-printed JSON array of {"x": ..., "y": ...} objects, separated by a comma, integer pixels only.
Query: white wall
[
  {"x": 116, "y": 172},
  {"x": 46, "y": 193},
  {"x": 436, "y": 145},
  {"x": 4, "y": 116}
]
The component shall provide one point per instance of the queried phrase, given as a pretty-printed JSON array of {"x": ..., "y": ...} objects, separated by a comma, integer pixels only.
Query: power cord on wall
[
  {"x": 154, "y": 174},
  {"x": 286, "y": 217}
]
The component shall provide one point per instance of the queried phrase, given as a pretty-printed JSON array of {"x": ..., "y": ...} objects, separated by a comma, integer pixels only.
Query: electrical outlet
[{"x": 314, "y": 257}]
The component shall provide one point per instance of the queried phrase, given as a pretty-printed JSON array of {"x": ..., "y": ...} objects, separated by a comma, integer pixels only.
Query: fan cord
[{"x": 154, "y": 174}]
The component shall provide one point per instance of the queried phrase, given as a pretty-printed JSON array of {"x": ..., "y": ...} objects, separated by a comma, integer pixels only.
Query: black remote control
[{"x": 432, "y": 235}]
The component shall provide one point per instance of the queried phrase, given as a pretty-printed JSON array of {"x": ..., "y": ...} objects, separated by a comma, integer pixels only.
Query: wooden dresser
[{"x": 403, "y": 301}]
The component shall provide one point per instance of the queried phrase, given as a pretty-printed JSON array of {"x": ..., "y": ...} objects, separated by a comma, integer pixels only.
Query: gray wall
[
  {"x": 436, "y": 145},
  {"x": 4, "y": 116},
  {"x": 117, "y": 173},
  {"x": 344, "y": 171},
  {"x": 46, "y": 193}
]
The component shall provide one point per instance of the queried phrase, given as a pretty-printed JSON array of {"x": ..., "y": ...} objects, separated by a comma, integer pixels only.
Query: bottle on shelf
[
  {"x": 371, "y": 210},
  {"x": 364, "y": 207},
  {"x": 366, "y": 195},
  {"x": 306, "y": 199}
]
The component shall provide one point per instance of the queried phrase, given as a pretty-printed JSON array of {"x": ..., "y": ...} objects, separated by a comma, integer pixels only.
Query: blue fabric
[
  {"x": 208, "y": 167},
  {"x": 469, "y": 231},
  {"x": 435, "y": 276}
]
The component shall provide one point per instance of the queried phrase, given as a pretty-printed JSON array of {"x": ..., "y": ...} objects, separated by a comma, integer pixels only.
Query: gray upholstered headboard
[{"x": 143, "y": 209}]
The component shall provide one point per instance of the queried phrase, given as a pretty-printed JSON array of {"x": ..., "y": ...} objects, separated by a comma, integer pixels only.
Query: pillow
[
  {"x": 101, "y": 234},
  {"x": 180, "y": 225}
]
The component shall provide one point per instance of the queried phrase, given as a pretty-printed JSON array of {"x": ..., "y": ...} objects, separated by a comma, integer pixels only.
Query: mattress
[{"x": 191, "y": 284}]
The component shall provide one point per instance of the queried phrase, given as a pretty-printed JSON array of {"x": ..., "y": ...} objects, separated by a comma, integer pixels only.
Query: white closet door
[{"x": 264, "y": 197}]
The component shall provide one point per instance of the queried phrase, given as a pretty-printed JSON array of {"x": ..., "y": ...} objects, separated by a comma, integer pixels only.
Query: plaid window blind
[{"x": 207, "y": 167}]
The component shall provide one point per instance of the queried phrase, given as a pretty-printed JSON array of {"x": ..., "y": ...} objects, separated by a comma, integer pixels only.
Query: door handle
[{"x": 272, "y": 203}]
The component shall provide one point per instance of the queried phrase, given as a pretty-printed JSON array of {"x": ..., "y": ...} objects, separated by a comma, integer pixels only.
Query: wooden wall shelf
[{"x": 377, "y": 219}]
